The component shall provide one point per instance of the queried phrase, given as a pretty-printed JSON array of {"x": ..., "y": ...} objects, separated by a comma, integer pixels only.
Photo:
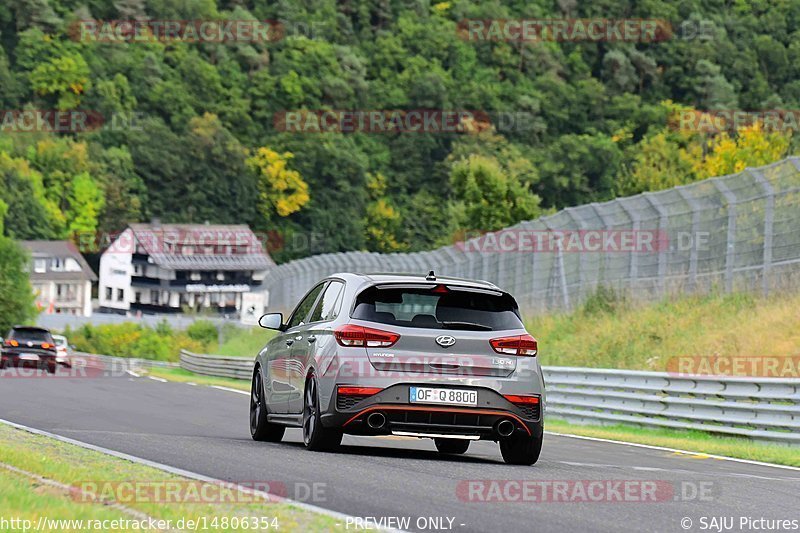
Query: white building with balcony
[{"x": 163, "y": 268}]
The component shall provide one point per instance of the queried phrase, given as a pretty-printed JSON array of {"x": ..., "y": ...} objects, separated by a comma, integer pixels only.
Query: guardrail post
[
  {"x": 693, "y": 253},
  {"x": 663, "y": 220},
  {"x": 730, "y": 252},
  {"x": 582, "y": 257},
  {"x": 608, "y": 225},
  {"x": 633, "y": 265},
  {"x": 769, "y": 215}
]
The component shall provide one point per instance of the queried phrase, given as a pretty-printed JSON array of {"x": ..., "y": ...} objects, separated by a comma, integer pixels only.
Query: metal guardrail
[
  {"x": 759, "y": 408},
  {"x": 217, "y": 365}
]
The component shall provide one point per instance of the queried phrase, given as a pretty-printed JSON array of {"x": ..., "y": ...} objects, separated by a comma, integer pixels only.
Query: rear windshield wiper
[{"x": 466, "y": 325}]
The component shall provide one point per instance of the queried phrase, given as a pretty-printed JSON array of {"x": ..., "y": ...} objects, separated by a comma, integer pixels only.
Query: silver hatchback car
[{"x": 395, "y": 354}]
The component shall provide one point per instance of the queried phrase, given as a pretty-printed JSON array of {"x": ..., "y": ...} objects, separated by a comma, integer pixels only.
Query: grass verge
[
  {"x": 608, "y": 331},
  {"x": 693, "y": 441},
  {"x": 243, "y": 342},
  {"x": 27, "y": 498}
]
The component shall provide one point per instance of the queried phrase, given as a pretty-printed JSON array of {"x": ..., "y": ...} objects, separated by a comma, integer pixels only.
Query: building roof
[
  {"x": 61, "y": 249},
  {"x": 160, "y": 242}
]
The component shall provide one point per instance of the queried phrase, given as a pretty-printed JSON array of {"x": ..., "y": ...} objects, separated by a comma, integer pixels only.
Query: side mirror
[{"x": 271, "y": 321}]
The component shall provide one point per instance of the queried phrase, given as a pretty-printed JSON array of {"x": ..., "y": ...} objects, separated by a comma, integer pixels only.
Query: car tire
[
  {"x": 316, "y": 437},
  {"x": 454, "y": 446},
  {"x": 522, "y": 449},
  {"x": 260, "y": 428}
]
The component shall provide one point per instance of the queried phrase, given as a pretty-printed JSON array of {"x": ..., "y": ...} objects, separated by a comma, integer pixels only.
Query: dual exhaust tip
[
  {"x": 503, "y": 428},
  {"x": 376, "y": 420}
]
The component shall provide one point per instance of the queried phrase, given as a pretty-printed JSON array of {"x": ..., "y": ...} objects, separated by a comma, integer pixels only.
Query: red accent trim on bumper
[{"x": 439, "y": 410}]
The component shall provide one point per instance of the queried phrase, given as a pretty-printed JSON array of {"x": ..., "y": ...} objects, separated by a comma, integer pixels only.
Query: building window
[
  {"x": 138, "y": 270},
  {"x": 137, "y": 297},
  {"x": 154, "y": 297},
  {"x": 40, "y": 266},
  {"x": 194, "y": 276},
  {"x": 109, "y": 293},
  {"x": 65, "y": 292},
  {"x": 121, "y": 295},
  {"x": 71, "y": 265},
  {"x": 220, "y": 276},
  {"x": 56, "y": 264}
]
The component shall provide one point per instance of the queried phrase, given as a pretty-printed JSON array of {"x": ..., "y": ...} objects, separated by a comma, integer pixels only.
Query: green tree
[
  {"x": 86, "y": 202},
  {"x": 16, "y": 296},
  {"x": 492, "y": 198}
]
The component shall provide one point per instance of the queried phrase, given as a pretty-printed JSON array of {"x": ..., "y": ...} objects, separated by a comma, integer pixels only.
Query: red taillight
[
  {"x": 12, "y": 342},
  {"x": 516, "y": 345},
  {"x": 522, "y": 400},
  {"x": 347, "y": 390},
  {"x": 360, "y": 336}
]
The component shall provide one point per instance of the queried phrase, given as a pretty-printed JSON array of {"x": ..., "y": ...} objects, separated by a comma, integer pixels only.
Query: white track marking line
[
  {"x": 183, "y": 473},
  {"x": 160, "y": 380},
  {"x": 661, "y": 448},
  {"x": 237, "y": 391},
  {"x": 134, "y": 374}
]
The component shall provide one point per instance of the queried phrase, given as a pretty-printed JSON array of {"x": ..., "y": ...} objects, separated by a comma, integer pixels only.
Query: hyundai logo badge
[{"x": 445, "y": 340}]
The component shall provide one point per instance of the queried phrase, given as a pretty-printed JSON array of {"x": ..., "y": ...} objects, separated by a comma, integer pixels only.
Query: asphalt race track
[{"x": 205, "y": 430}]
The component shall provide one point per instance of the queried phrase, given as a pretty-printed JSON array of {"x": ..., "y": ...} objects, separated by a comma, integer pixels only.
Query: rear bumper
[
  {"x": 18, "y": 358},
  {"x": 400, "y": 416}
]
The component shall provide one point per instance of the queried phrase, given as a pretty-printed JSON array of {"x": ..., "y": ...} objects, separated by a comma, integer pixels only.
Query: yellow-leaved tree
[
  {"x": 752, "y": 146},
  {"x": 675, "y": 156},
  {"x": 382, "y": 222},
  {"x": 282, "y": 191}
]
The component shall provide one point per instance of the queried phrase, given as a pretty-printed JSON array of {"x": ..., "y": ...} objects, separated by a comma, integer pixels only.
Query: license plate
[
  {"x": 28, "y": 357},
  {"x": 443, "y": 396}
]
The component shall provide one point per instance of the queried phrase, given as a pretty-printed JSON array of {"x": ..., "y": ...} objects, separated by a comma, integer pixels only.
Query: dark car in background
[{"x": 29, "y": 346}]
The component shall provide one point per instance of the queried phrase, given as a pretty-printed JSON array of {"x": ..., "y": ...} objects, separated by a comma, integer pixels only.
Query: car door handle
[
  {"x": 289, "y": 342},
  {"x": 298, "y": 338},
  {"x": 312, "y": 338}
]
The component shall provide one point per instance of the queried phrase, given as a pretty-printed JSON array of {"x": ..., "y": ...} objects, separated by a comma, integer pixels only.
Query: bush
[
  {"x": 203, "y": 331},
  {"x": 603, "y": 301},
  {"x": 130, "y": 339}
]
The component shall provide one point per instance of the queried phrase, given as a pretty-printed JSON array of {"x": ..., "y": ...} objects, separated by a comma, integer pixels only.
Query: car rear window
[
  {"x": 438, "y": 307},
  {"x": 32, "y": 335}
]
